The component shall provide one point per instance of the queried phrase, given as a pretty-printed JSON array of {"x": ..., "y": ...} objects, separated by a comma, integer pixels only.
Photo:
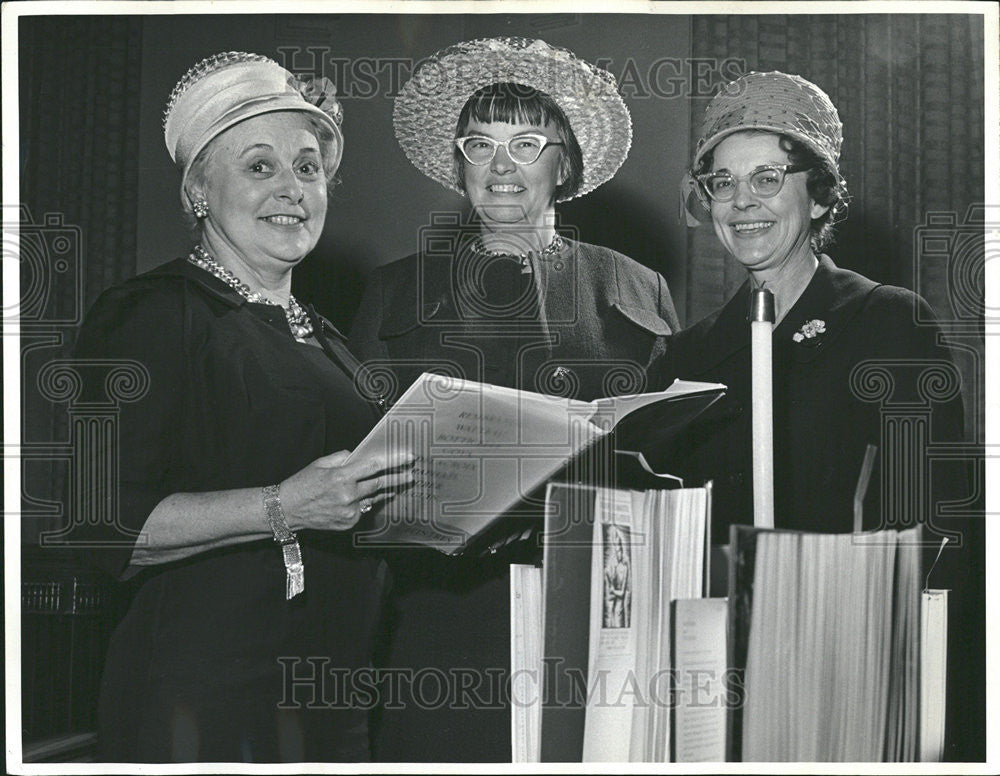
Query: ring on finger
[{"x": 366, "y": 506}]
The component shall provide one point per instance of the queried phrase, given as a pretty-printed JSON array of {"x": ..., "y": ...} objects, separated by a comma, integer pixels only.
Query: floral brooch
[{"x": 809, "y": 330}]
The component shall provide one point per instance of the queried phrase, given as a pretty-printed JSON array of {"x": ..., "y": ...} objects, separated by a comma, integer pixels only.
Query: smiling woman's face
[
  {"x": 266, "y": 191},
  {"x": 763, "y": 233},
  {"x": 505, "y": 193}
]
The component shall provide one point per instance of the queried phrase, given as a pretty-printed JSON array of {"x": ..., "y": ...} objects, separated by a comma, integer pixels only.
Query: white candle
[{"x": 761, "y": 326}]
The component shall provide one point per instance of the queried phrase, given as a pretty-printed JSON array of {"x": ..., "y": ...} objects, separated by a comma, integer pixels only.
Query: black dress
[{"x": 210, "y": 661}]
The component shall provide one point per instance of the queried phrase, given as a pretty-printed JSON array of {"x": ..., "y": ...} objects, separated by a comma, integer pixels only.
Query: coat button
[{"x": 735, "y": 479}]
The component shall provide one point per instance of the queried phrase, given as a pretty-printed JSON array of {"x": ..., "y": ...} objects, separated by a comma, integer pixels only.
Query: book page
[
  {"x": 526, "y": 623},
  {"x": 699, "y": 665},
  {"x": 658, "y": 745},
  {"x": 611, "y": 686},
  {"x": 933, "y": 673},
  {"x": 618, "y": 407},
  {"x": 832, "y": 646},
  {"x": 647, "y": 602},
  {"x": 908, "y": 602},
  {"x": 480, "y": 449}
]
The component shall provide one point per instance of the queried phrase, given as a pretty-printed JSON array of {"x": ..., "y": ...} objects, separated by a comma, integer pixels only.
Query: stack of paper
[
  {"x": 526, "y": 621},
  {"x": 831, "y": 659}
]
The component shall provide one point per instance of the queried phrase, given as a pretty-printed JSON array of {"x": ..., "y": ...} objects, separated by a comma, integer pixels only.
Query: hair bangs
[{"x": 511, "y": 103}]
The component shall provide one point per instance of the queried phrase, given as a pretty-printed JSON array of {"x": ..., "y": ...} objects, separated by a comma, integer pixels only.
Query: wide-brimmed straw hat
[
  {"x": 777, "y": 102},
  {"x": 233, "y": 86},
  {"x": 428, "y": 106}
]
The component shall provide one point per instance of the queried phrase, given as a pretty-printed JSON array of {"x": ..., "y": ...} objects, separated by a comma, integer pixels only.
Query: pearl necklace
[
  {"x": 553, "y": 247},
  {"x": 295, "y": 314}
]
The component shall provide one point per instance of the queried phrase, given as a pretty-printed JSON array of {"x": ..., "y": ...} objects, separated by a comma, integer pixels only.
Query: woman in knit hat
[
  {"x": 766, "y": 168},
  {"x": 235, "y": 501},
  {"x": 855, "y": 362}
]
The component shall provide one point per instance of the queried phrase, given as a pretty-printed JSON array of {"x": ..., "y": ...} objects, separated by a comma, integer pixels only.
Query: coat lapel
[
  {"x": 833, "y": 296},
  {"x": 554, "y": 280},
  {"x": 717, "y": 337}
]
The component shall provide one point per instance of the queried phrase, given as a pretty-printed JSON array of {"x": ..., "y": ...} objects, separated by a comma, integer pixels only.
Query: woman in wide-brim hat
[
  {"x": 507, "y": 298},
  {"x": 235, "y": 498}
]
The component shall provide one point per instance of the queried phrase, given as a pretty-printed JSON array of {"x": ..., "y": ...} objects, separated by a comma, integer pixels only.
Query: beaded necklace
[
  {"x": 553, "y": 247},
  {"x": 295, "y": 314}
]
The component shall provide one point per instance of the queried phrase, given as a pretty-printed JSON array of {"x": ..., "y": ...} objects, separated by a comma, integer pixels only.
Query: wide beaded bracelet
[{"x": 295, "y": 579}]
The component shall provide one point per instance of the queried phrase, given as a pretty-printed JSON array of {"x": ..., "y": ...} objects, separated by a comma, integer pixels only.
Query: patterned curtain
[
  {"x": 79, "y": 143},
  {"x": 909, "y": 89}
]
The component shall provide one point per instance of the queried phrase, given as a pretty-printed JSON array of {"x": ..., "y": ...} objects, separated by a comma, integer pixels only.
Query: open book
[
  {"x": 481, "y": 449},
  {"x": 649, "y": 548},
  {"x": 596, "y": 683}
]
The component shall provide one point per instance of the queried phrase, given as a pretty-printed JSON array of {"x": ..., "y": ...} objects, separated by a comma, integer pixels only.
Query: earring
[{"x": 200, "y": 208}]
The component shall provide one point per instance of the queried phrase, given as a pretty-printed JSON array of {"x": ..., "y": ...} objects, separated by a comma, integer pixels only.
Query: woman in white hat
[
  {"x": 235, "y": 501},
  {"x": 766, "y": 169},
  {"x": 508, "y": 298}
]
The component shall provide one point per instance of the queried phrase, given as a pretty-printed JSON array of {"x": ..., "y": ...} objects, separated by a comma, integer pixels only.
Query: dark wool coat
[
  {"x": 585, "y": 323},
  {"x": 872, "y": 372}
]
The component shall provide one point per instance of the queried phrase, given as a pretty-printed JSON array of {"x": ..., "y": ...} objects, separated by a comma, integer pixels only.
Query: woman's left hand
[{"x": 331, "y": 494}]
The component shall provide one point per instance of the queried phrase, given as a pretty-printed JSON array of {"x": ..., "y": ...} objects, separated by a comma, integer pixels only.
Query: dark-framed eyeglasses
[
  {"x": 765, "y": 181},
  {"x": 522, "y": 149}
]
